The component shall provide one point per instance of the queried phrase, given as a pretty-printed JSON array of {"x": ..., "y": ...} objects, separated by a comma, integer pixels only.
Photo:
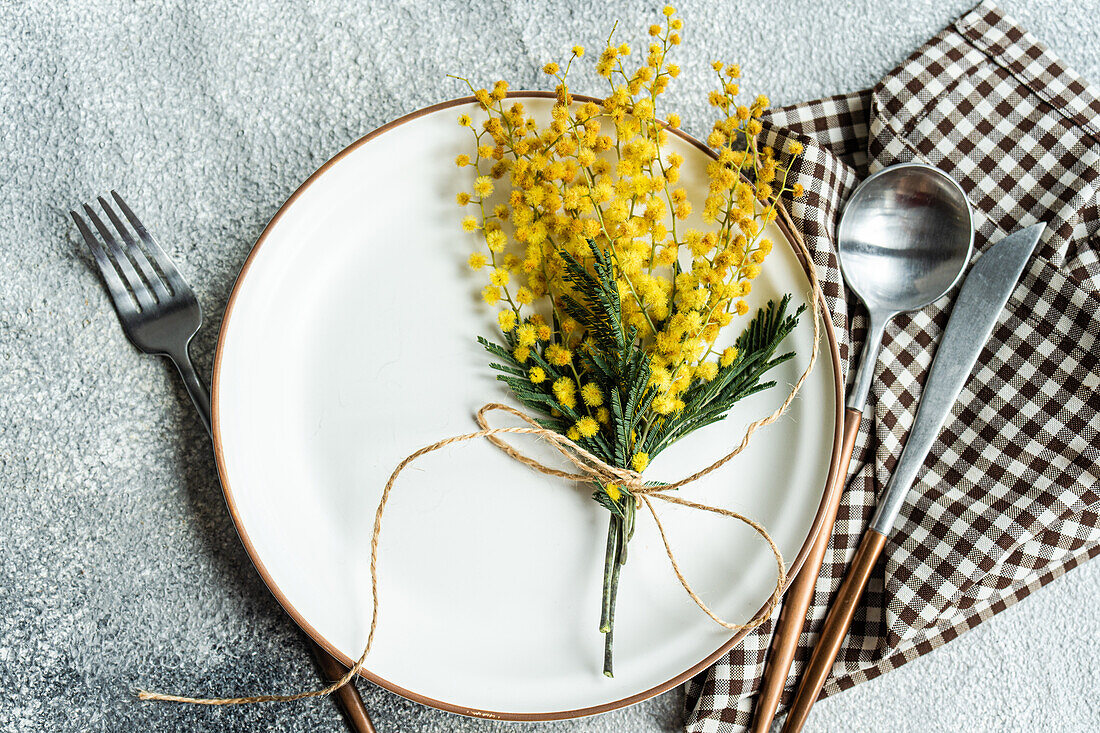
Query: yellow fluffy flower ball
[
  {"x": 587, "y": 427},
  {"x": 591, "y": 395}
]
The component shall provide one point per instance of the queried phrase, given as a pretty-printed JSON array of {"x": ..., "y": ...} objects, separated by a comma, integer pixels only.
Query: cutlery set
[{"x": 903, "y": 240}]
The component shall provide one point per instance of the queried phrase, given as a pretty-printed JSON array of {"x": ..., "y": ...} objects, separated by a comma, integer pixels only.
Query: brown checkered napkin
[{"x": 1009, "y": 497}]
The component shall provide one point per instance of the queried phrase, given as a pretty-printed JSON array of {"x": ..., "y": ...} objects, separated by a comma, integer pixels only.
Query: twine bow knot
[{"x": 594, "y": 469}]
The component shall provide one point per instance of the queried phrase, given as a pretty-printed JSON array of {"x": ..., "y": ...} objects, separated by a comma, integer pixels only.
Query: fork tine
[
  {"x": 164, "y": 262},
  {"x": 141, "y": 291},
  {"x": 121, "y": 297},
  {"x": 135, "y": 253}
]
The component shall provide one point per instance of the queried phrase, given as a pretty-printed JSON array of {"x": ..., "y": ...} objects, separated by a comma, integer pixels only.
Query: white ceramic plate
[{"x": 349, "y": 342}]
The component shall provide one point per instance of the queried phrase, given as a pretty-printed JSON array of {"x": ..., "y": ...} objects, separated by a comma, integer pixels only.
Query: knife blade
[{"x": 982, "y": 298}]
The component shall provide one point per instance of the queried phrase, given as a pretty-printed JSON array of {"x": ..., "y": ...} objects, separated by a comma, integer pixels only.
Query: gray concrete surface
[{"x": 118, "y": 563}]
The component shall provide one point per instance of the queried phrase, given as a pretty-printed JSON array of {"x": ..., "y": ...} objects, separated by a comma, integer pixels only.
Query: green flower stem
[
  {"x": 613, "y": 562},
  {"x": 608, "y": 642},
  {"x": 609, "y": 636},
  {"x": 610, "y": 563}
]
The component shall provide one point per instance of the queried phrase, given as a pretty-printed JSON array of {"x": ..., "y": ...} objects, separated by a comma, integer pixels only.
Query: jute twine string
[{"x": 591, "y": 469}]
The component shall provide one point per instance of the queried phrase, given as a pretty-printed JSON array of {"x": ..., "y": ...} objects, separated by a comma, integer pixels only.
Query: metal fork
[
  {"x": 157, "y": 309},
  {"x": 160, "y": 314}
]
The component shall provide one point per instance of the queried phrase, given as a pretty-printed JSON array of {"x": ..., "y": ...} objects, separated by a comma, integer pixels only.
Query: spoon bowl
[
  {"x": 903, "y": 241},
  {"x": 904, "y": 238}
]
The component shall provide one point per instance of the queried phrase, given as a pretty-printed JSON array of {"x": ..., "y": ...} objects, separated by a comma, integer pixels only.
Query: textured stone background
[{"x": 118, "y": 563}]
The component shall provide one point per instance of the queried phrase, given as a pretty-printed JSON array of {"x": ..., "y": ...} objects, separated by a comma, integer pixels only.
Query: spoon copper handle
[
  {"x": 835, "y": 629},
  {"x": 796, "y": 603}
]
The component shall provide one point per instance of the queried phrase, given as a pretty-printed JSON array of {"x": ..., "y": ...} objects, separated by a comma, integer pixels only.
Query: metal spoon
[{"x": 903, "y": 241}]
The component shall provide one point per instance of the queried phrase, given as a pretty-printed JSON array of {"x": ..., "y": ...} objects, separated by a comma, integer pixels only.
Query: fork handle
[
  {"x": 195, "y": 386},
  {"x": 347, "y": 697}
]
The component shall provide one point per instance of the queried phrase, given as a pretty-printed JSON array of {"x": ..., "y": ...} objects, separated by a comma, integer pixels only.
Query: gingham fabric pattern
[{"x": 1009, "y": 498}]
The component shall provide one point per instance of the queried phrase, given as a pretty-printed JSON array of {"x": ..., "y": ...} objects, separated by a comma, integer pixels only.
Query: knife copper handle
[
  {"x": 796, "y": 603},
  {"x": 835, "y": 629}
]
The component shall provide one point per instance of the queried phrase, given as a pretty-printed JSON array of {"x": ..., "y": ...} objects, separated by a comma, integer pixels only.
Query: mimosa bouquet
[{"x": 610, "y": 305}]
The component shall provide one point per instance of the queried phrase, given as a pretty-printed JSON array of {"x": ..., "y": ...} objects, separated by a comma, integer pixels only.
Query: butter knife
[{"x": 973, "y": 317}]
